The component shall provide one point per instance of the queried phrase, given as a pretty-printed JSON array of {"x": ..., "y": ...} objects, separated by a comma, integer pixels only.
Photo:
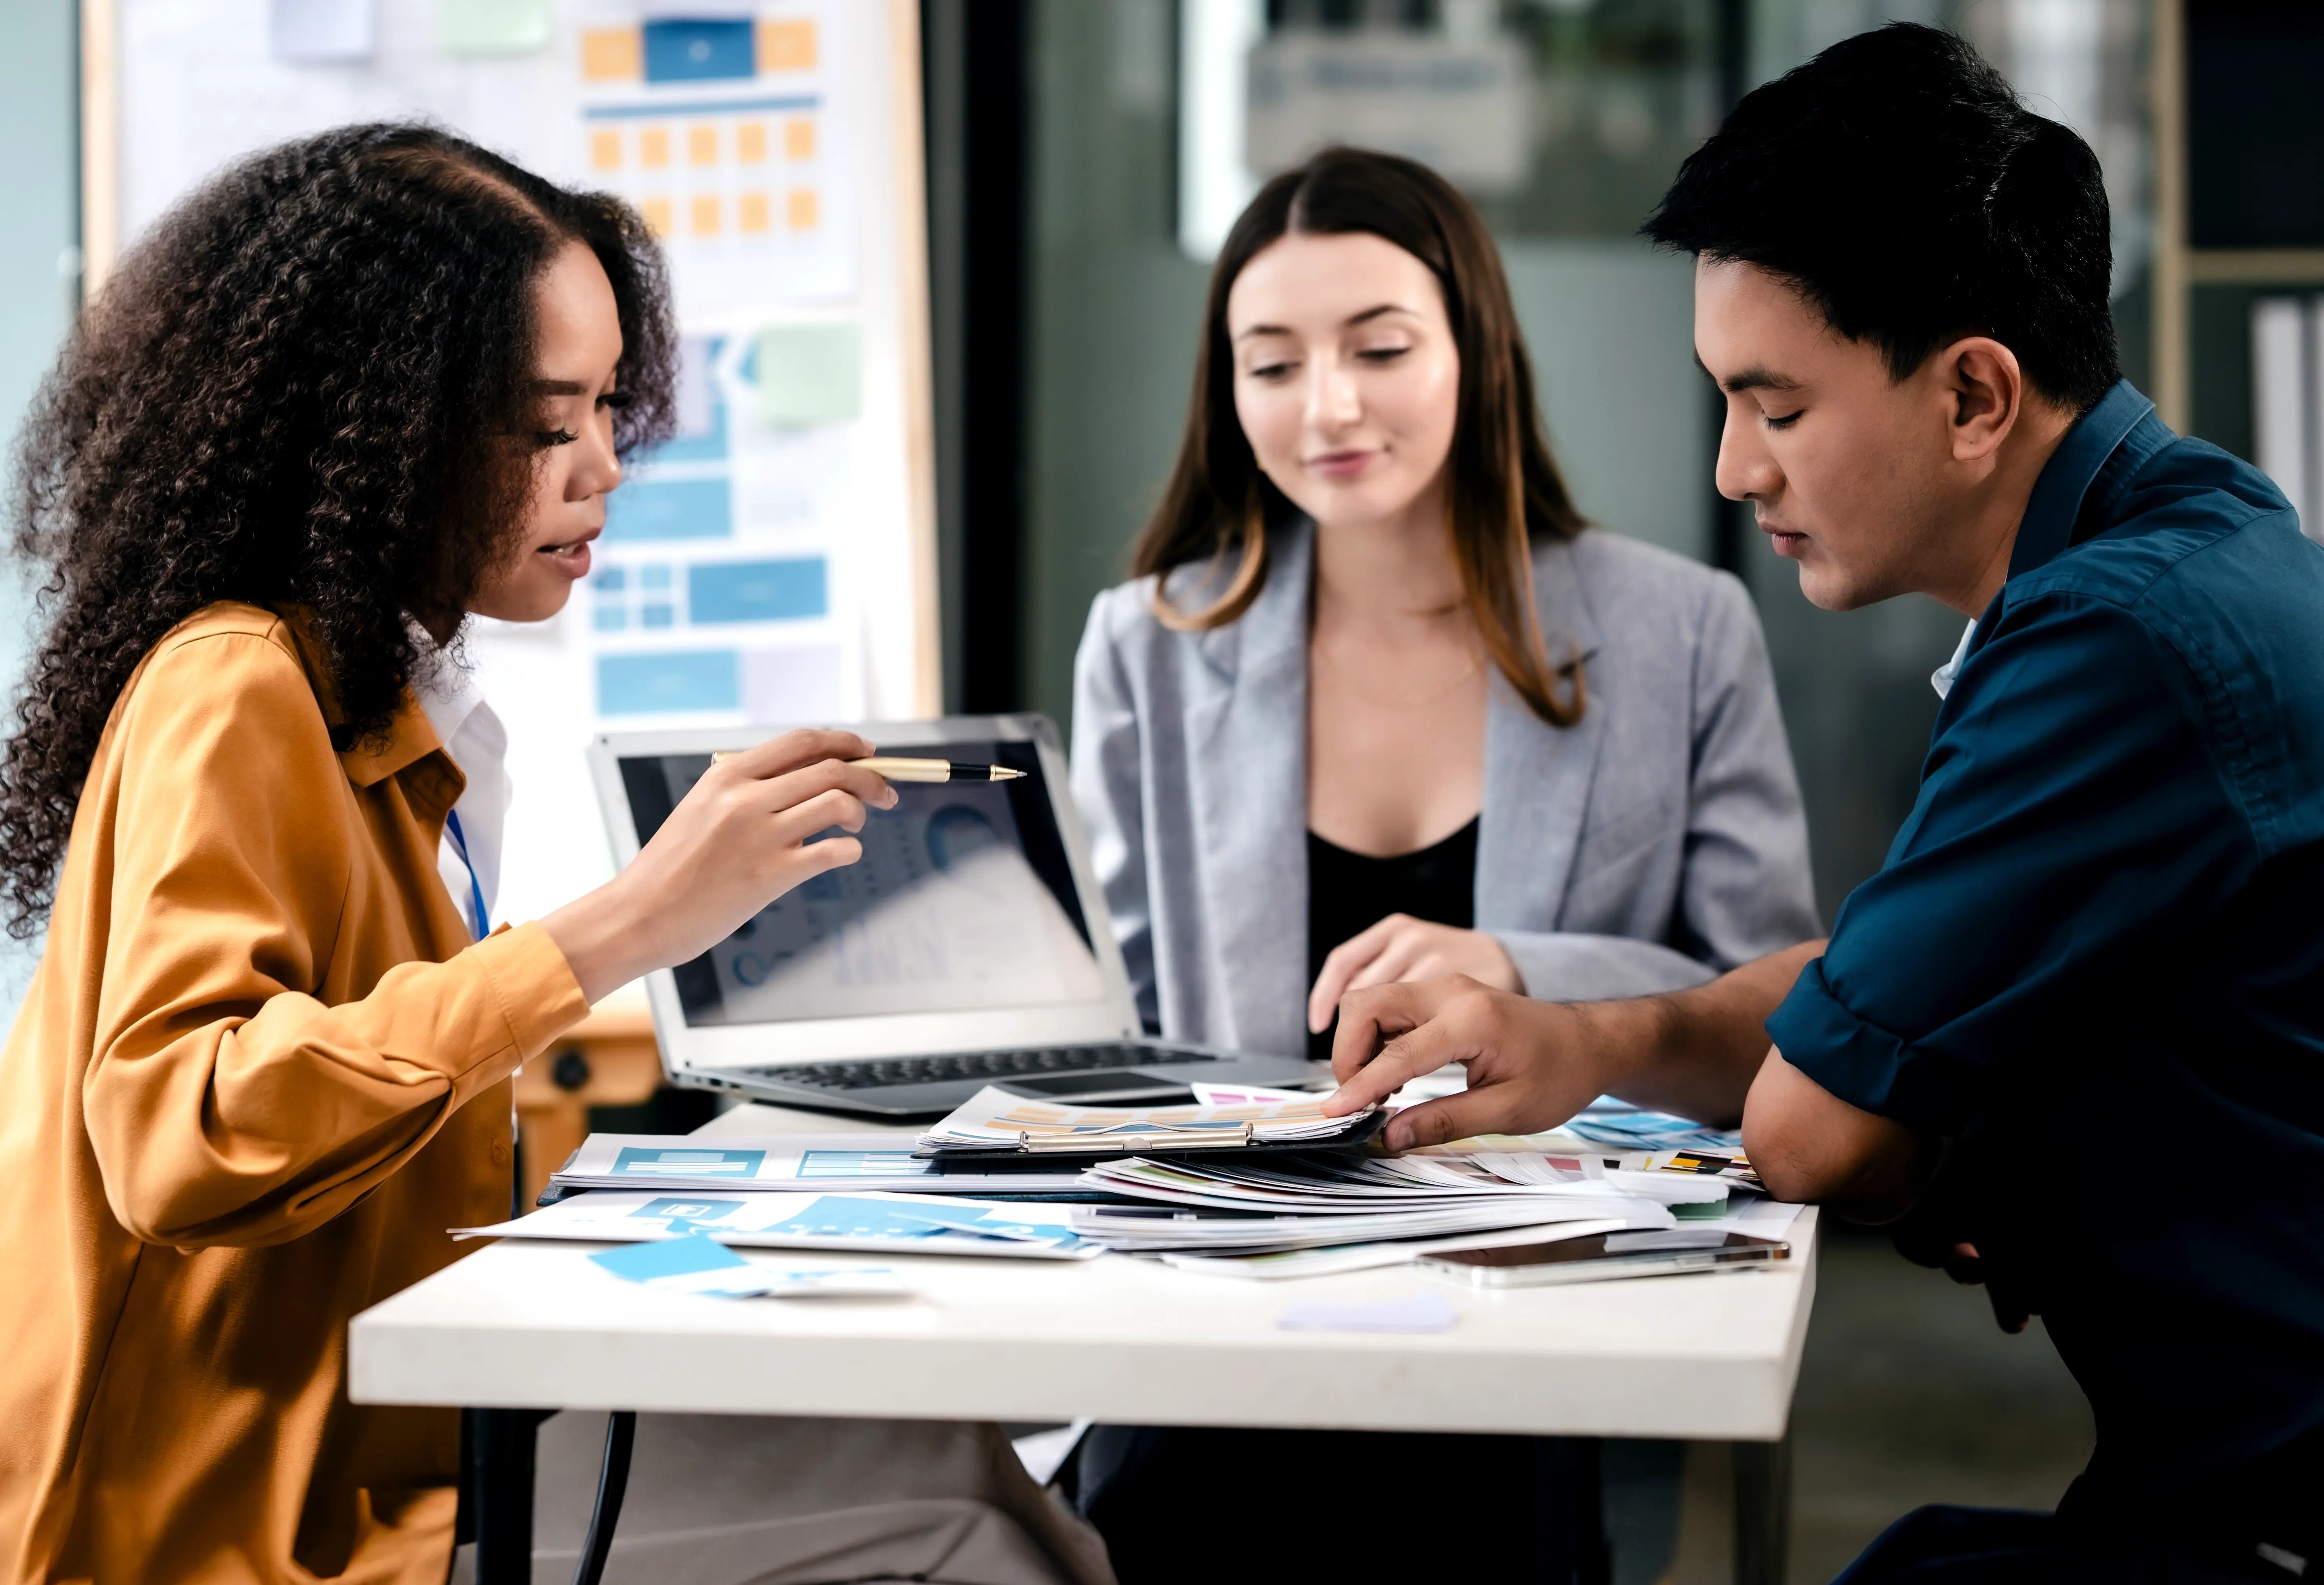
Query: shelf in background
[{"x": 2254, "y": 266}]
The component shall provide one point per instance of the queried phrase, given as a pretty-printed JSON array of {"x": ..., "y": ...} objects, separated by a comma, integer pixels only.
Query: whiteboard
[{"x": 775, "y": 562}]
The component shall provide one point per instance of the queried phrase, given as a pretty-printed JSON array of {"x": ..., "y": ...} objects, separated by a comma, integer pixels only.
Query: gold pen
[{"x": 890, "y": 768}]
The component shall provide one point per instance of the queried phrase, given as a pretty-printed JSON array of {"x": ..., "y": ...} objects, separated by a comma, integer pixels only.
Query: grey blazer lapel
[
  {"x": 1537, "y": 776},
  {"x": 1248, "y": 738}
]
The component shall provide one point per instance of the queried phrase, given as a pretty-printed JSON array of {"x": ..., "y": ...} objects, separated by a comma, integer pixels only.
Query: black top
[{"x": 1349, "y": 893}]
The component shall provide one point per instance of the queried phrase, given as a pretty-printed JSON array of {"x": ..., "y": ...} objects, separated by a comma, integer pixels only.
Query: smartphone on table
[{"x": 1602, "y": 1256}]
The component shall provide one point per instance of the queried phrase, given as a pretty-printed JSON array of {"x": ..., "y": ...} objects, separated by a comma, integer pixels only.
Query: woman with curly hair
[{"x": 356, "y": 389}]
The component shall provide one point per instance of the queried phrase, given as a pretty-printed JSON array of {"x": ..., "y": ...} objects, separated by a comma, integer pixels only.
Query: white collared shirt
[
  {"x": 1942, "y": 678},
  {"x": 478, "y": 744}
]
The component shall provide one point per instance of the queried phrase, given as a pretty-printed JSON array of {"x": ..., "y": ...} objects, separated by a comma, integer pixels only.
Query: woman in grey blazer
[
  {"x": 1381, "y": 706},
  {"x": 1653, "y": 844},
  {"x": 1640, "y": 833}
]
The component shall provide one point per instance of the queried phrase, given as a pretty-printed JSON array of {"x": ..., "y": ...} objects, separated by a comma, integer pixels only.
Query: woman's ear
[{"x": 1989, "y": 391}]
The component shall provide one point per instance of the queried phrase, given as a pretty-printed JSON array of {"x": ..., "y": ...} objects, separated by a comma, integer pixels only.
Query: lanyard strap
[{"x": 479, "y": 923}]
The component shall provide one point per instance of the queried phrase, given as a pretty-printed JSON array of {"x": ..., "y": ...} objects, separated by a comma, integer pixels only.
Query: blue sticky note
[
  {"x": 669, "y": 1258},
  {"x": 757, "y": 591},
  {"x": 670, "y": 509},
  {"x": 693, "y": 50},
  {"x": 670, "y": 680}
]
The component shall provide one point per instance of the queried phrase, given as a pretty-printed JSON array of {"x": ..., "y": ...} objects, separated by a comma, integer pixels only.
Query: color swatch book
[
  {"x": 994, "y": 1121},
  {"x": 884, "y": 1224}
]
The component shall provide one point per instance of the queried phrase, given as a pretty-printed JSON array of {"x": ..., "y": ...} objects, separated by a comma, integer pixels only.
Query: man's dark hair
[{"x": 1896, "y": 181}]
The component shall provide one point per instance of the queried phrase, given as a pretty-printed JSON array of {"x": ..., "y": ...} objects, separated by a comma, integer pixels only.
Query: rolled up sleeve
[{"x": 2071, "y": 829}]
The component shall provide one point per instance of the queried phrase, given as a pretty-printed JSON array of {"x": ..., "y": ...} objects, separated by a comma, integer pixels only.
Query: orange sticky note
[
  {"x": 798, "y": 138},
  {"x": 751, "y": 142},
  {"x": 787, "y": 46},
  {"x": 705, "y": 209},
  {"x": 612, "y": 55},
  {"x": 658, "y": 217},
  {"x": 653, "y": 147},
  {"x": 754, "y": 213},
  {"x": 799, "y": 208},
  {"x": 702, "y": 144},
  {"x": 605, "y": 149}
]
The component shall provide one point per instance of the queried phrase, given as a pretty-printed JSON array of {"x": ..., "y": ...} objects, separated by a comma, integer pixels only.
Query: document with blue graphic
[
  {"x": 883, "y": 1224},
  {"x": 850, "y": 1163}
]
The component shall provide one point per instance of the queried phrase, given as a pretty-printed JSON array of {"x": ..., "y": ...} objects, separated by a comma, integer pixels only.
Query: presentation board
[{"x": 775, "y": 562}]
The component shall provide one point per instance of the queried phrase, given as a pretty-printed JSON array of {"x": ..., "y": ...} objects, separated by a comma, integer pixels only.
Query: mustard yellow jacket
[{"x": 260, "y": 1070}]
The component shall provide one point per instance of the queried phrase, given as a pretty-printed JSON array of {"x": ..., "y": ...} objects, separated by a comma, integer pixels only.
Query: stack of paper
[
  {"x": 1325, "y": 1185},
  {"x": 1301, "y": 1215},
  {"x": 994, "y": 1120},
  {"x": 879, "y": 1163}
]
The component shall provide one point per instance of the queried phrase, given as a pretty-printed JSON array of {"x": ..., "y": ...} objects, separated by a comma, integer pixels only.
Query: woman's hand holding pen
[
  {"x": 1401, "y": 947},
  {"x": 739, "y": 840}
]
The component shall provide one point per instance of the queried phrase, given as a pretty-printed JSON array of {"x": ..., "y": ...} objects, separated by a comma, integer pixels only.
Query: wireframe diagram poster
[{"x": 764, "y": 565}]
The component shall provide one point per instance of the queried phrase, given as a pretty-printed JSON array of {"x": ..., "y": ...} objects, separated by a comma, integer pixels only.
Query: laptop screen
[{"x": 963, "y": 901}]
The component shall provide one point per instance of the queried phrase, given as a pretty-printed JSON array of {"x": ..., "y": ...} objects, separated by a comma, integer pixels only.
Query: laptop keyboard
[{"x": 880, "y": 1073}]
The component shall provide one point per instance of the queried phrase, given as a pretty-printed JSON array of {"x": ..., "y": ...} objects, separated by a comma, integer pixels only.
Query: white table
[{"x": 533, "y": 1325}]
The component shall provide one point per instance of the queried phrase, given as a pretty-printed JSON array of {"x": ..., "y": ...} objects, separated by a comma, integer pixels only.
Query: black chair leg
[
  {"x": 613, "y": 1484},
  {"x": 498, "y": 1485}
]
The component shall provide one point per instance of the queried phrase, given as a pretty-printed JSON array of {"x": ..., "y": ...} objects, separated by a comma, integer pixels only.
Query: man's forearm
[{"x": 1695, "y": 1051}]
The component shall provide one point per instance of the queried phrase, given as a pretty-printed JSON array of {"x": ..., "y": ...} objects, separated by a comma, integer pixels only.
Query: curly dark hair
[{"x": 309, "y": 388}]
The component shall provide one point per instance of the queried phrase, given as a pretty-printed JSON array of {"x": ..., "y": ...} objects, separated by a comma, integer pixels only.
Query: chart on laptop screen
[{"x": 961, "y": 902}]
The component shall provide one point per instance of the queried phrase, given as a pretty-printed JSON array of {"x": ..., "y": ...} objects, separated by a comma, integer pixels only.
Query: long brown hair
[{"x": 1505, "y": 494}]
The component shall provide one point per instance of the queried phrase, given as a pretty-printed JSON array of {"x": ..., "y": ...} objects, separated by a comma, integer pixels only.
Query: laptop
[{"x": 969, "y": 946}]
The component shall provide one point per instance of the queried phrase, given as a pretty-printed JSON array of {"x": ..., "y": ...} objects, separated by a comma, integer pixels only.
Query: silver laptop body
[{"x": 969, "y": 946}]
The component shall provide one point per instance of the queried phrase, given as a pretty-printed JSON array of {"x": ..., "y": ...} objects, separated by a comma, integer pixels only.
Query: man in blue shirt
[{"x": 2073, "y": 1030}]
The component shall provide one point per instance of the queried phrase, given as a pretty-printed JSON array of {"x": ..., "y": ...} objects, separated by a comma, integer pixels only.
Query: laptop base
[{"x": 1088, "y": 1073}]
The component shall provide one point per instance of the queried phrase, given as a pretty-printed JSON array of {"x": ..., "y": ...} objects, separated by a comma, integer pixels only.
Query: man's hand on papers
[
  {"x": 1401, "y": 947},
  {"x": 1530, "y": 1062}
]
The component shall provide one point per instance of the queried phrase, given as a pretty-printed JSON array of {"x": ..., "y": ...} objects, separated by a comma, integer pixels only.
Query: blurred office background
[
  {"x": 1128, "y": 132},
  {"x": 1087, "y": 156}
]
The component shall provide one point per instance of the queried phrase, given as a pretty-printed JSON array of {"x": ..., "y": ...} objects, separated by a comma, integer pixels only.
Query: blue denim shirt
[{"x": 2096, "y": 955}]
